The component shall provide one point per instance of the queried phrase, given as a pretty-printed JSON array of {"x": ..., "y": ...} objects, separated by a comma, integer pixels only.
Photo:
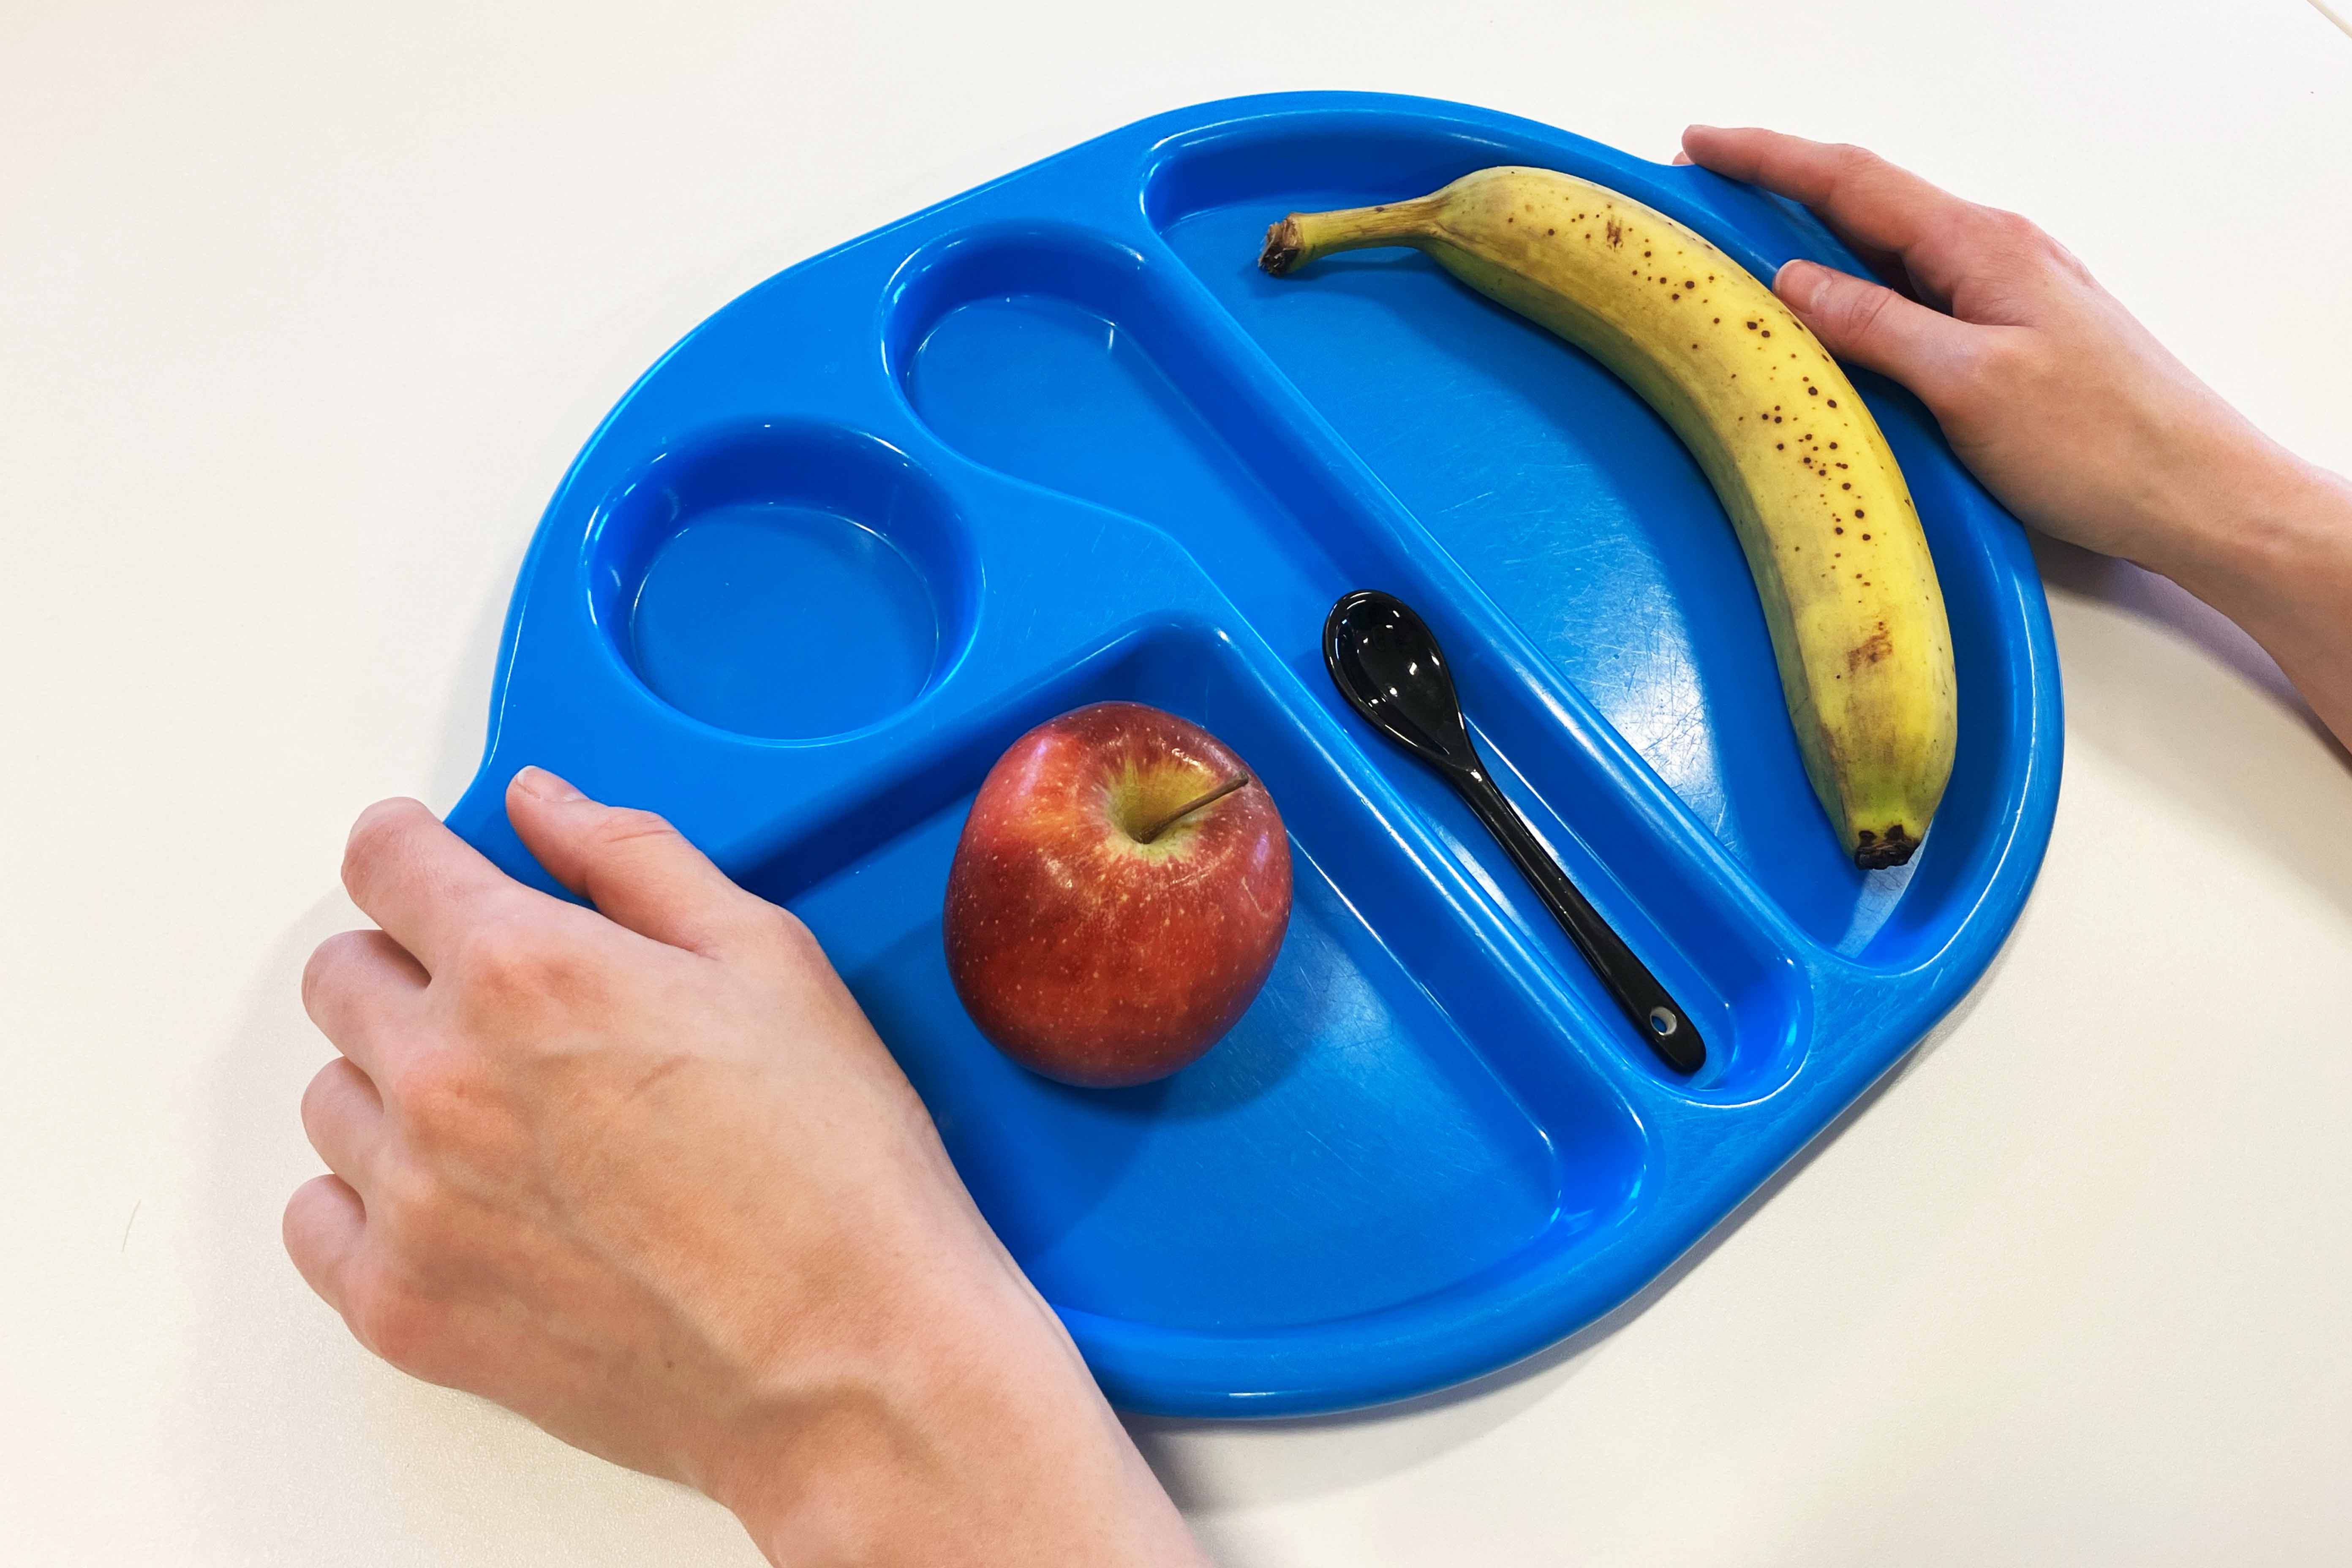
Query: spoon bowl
[{"x": 1390, "y": 669}]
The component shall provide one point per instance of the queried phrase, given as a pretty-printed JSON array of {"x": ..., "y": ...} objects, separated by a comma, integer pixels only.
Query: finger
[
  {"x": 1860, "y": 193},
  {"x": 1873, "y": 205},
  {"x": 422, "y": 883},
  {"x": 1887, "y": 266},
  {"x": 342, "y": 1115},
  {"x": 362, "y": 989},
  {"x": 633, "y": 866},
  {"x": 1868, "y": 324},
  {"x": 323, "y": 1226}
]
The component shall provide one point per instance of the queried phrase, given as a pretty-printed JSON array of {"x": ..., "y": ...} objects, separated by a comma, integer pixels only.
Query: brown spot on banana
[{"x": 1870, "y": 650}]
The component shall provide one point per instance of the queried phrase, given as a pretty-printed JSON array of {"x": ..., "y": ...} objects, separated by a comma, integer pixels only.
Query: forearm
[{"x": 2269, "y": 543}]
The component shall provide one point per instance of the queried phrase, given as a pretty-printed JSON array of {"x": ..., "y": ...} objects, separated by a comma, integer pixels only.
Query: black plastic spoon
[{"x": 1390, "y": 669}]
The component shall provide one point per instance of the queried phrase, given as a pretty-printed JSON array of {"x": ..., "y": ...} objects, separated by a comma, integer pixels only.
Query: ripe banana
[{"x": 1821, "y": 509}]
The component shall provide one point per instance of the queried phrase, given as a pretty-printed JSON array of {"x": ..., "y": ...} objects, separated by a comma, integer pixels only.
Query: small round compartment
[{"x": 788, "y": 580}]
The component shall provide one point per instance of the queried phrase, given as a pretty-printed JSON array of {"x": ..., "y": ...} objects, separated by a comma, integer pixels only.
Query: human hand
[
  {"x": 2052, "y": 392},
  {"x": 649, "y": 1177},
  {"x": 2064, "y": 406}
]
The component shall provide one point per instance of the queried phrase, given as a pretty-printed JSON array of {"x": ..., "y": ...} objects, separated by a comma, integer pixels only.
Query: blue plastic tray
[{"x": 1059, "y": 440}]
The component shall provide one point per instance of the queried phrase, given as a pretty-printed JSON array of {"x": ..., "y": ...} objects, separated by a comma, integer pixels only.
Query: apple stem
[{"x": 1182, "y": 812}]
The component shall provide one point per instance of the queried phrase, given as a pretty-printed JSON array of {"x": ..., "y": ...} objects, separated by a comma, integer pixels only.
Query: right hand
[
  {"x": 2062, "y": 404},
  {"x": 2055, "y": 397}
]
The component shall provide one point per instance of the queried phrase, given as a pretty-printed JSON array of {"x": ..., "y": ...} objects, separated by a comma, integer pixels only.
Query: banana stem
[{"x": 1303, "y": 237}]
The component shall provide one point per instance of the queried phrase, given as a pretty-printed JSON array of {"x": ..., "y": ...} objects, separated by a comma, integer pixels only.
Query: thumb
[
  {"x": 638, "y": 870},
  {"x": 1872, "y": 326}
]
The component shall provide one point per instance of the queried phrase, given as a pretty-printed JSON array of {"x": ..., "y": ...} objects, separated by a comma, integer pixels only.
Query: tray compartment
[
  {"x": 783, "y": 578},
  {"x": 1366, "y": 1136},
  {"x": 1570, "y": 503},
  {"x": 1051, "y": 356}
]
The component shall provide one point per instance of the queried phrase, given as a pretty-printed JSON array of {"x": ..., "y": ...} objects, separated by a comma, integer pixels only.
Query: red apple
[{"x": 1117, "y": 897}]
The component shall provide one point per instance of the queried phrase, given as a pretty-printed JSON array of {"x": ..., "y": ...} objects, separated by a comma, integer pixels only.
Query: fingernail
[
  {"x": 1798, "y": 281},
  {"x": 541, "y": 784}
]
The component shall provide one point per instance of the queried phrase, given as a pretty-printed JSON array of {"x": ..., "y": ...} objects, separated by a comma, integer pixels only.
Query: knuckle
[
  {"x": 411, "y": 1196},
  {"x": 436, "y": 1093},
  {"x": 317, "y": 1094},
  {"x": 2014, "y": 233},
  {"x": 630, "y": 825},
  {"x": 396, "y": 1321},
  {"x": 1860, "y": 311},
  {"x": 793, "y": 938},
  {"x": 377, "y": 838},
  {"x": 514, "y": 980},
  {"x": 319, "y": 969},
  {"x": 783, "y": 942},
  {"x": 299, "y": 1223},
  {"x": 506, "y": 961},
  {"x": 1849, "y": 163},
  {"x": 2060, "y": 259}
]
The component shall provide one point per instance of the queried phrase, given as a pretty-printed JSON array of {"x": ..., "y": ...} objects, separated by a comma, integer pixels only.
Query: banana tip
[
  {"x": 1282, "y": 246},
  {"x": 1878, "y": 851}
]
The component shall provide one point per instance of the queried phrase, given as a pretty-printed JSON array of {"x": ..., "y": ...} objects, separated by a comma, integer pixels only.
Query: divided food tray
[{"x": 1058, "y": 440}]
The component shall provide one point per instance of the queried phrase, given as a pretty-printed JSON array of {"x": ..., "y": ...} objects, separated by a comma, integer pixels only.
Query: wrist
[
  {"x": 959, "y": 1425},
  {"x": 2254, "y": 534},
  {"x": 857, "y": 1421}
]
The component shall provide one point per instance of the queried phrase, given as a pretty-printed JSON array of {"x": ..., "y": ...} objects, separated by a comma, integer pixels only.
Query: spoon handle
[{"x": 1656, "y": 1014}]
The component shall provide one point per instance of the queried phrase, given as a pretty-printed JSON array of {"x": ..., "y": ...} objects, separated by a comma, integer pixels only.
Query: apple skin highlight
[{"x": 1087, "y": 954}]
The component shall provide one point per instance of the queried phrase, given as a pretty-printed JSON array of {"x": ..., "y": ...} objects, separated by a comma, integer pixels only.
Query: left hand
[{"x": 647, "y": 1176}]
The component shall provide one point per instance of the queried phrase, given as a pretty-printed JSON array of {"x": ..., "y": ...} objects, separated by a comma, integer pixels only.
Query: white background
[{"x": 303, "y": 310}]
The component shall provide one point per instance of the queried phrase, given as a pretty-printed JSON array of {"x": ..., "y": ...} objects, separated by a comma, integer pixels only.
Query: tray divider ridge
[{"x": 1315, "y": 469}]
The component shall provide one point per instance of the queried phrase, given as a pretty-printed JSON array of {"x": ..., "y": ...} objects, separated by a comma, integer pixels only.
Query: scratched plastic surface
[{"x": 1058, "y": 440}]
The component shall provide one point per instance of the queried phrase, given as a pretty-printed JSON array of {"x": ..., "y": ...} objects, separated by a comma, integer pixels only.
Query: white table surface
[{"x": 303, "y": 310}]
